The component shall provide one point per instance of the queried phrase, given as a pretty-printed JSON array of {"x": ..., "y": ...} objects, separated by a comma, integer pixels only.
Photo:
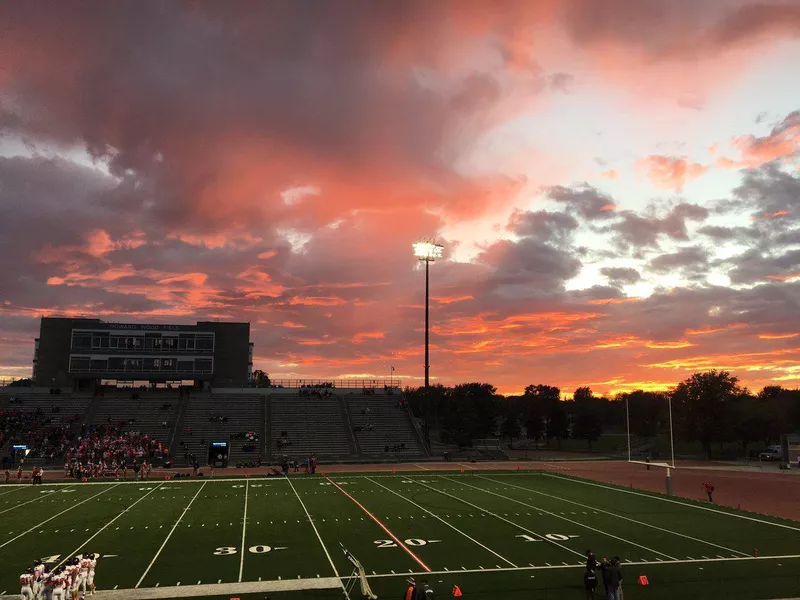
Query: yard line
[
  {"x": 16, "y": 489},
  {"x": 244, "y": 530},
  {"x": 99, "y": 531},
  {"x": 382, "y": 526},
  {"x": 560, "y": 499},
  {"x": 557, "y": 516},
  {"x": 56, "y": 515},
  {"x": 453, "y": 527},
  {"x": 169, "y": 535},
  {"x": 41, "y": 497},
  {"x": 582, "y": 566},
  {"x": 706, "y": 508},
  {"x": 488, "y": 512},
  {"x": 319, "y": 537},
  {"x": 421, "y": 467}
]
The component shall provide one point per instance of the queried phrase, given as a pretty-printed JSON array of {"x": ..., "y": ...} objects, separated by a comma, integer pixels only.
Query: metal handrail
[{"x": 392, "y": 382}]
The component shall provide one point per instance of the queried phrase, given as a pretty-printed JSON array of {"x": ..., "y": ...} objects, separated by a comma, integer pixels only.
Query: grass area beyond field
[{"x": 496, "y": 535}]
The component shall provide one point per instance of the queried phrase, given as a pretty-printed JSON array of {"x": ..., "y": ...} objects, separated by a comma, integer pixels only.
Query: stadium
[
  {"x": 183, "y": 487},
  {"x": 358, "y": 299}
]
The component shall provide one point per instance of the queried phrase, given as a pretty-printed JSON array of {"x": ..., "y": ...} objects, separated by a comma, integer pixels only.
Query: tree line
[{"x": 710, "y": 408}]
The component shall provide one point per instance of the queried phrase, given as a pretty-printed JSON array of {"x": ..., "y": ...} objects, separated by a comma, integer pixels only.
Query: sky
[{"x": 616, "y": 184}]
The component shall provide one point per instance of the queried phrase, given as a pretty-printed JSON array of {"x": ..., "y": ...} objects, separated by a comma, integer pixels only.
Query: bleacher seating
[
  {"x": 66, "y": 406},
  {"x": 314, "y": 427},
  {"x": 244, "y": 414},
  {"x": 379, "y": 423},
  {"x": 145, "y": 414}
]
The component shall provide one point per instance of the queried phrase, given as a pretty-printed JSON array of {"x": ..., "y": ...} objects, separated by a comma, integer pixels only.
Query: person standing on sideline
[
  {"x": 424, "y": 591},
  {"x": 411, "y": 590},
  {"x": 709, "y": 491},
  {"x": 604, "y": 571},
  {"x": 591, "y": 560},
  {"x": 589, "y": 583},
  {"x": 614, "y": 589}
]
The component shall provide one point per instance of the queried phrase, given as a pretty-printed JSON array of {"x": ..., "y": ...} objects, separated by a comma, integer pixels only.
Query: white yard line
[
  {"x": 319, "y": 537},
  {"x": 221, "y": 589},
  {"x": 169, "y": 535},
  {"x": 563, "y": 518},
  {"x": 613, "y": 514},
  {"x": 244, "y": 530},
  {"x": 16, "y": 489},
  {"x": 16, "y": 506},
  {"x": 56, "y": 515},
  {"x": 434, "y": 515},
  {"x": 421, "y": 468},
  {"x": 686, "y": 504},
  {"x": 488, "y": 512},
  {"x": 99, "y": 531},
  {"x": 311, "y": 583}
]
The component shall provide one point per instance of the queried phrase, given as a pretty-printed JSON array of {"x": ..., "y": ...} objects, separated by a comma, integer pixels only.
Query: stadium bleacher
[
  {"x": 382, "y": 427},
  {"x": 221, "y": 418},
  {"x": 313, "y": 426},
  {"x": 292, "y": 424}
]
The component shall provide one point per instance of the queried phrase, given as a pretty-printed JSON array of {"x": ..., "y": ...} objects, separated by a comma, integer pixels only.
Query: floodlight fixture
[{"x": 428, "y": 251}]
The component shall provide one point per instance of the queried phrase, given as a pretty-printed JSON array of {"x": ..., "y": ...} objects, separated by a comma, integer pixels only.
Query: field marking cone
[
  {"x": 457, "y": 591},
  {"x": 643, "y": 580}
]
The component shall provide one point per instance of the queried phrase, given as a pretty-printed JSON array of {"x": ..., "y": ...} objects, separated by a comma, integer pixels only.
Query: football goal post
[{"x": 358, "y": 575}]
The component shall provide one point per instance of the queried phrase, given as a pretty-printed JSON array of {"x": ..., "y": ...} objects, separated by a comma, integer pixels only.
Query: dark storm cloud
[
  {"x": 546, "y": 226},
  {"x": 585, "y": 200},
  {"x": 692, "y": 260},
  {"x": 621, "y": 275}
]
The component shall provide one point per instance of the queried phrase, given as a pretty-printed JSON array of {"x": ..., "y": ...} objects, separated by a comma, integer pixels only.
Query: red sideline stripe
[{"x": 382, "y": 526}]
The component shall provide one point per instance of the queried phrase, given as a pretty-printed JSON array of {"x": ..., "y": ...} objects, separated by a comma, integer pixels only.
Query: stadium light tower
[{"x": 428, "y": 252}]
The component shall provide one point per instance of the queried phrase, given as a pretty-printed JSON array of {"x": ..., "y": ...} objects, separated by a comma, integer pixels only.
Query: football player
[
  {"x": 26, "y": 583},
  {"x": 59, "y": 584},
  {"x": 90, "y": 579},
  {"x": 38, "y": 571}
]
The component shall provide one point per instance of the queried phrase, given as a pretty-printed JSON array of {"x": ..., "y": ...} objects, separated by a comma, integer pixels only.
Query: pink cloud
[{"x": 670, "y": 172}]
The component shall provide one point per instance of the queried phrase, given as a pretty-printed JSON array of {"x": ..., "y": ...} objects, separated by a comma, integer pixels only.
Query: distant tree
[
  {"x": 588, "y": 425},
  {"x": 545, "y": 400},
  {"x": 703, "y": 404},
  {"x": 510, "y": 427},
  {"x": 647, "y": 410},
  {"x": 770, "y": 392},
  {"x": 260, "y": 379},
  {"x": 582, "y": 393}
]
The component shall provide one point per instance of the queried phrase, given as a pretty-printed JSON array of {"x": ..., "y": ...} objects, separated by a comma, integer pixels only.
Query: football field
[{"x": 499, "y": 535}]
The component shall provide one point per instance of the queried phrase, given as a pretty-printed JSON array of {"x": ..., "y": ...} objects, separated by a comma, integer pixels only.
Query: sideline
[
  {"x": 321, "y": 583},
  {"x": 221, "y": 589}
]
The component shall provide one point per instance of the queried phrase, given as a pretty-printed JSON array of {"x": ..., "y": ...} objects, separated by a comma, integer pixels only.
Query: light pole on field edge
[{"x": 428, "y": 252}]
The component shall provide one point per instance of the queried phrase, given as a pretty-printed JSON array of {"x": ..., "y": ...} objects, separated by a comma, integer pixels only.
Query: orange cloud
[
  {"x": 777, "y": 336},
  {"x": 670, "y": 172}
]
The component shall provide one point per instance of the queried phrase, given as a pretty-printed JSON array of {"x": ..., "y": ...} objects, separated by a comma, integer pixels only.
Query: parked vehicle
[{"x": 771, "y": 454}]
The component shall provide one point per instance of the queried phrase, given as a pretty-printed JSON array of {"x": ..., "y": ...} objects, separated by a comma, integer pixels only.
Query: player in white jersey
[
  {"x": 83, "y": 575},
  {"x": 26, "y": 583},
  {"x": 90, "y": 579},
  {"x": 73, "y": 570},
  {"x": 59, "y": 584},
  {"x": 38, "y": 572}
]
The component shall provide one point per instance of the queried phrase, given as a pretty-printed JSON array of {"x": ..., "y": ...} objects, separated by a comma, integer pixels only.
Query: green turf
[{"x": 496, "y": 535}]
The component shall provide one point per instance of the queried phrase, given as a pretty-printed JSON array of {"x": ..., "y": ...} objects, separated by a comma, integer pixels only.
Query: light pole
[{"x": 427, "y": 252}]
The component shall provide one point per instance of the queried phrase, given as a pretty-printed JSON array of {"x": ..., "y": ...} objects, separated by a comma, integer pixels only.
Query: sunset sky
[{"x": 616, "y": 183}]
